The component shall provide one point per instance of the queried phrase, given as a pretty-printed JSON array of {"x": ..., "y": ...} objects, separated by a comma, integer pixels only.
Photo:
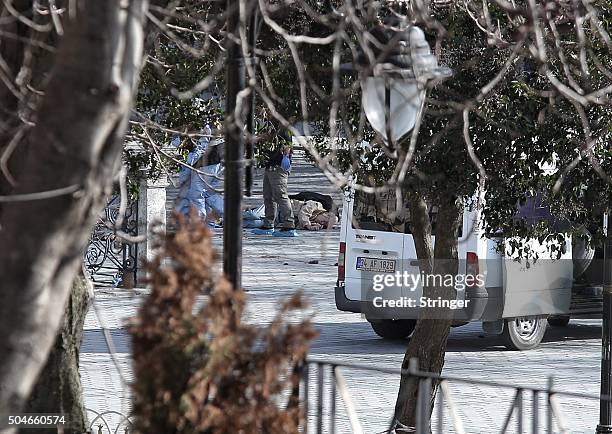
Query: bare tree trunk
[
  {"x": 428, "y": 342},
  {"x": 76, "y": 146},
  {"x": 58, "y": 389}
]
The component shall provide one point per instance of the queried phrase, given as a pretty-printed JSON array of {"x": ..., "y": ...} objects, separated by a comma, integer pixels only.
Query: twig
[{"x": 41, "y": 195}]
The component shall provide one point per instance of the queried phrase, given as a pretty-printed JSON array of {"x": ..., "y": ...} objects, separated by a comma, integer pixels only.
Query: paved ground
[{"x": 274, "y": 268}]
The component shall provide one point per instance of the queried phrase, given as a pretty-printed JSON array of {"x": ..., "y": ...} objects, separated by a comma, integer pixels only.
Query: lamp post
[
  {"x": 235, "y": 143},
  {"x": 251, "y": 124},
  {"x": 234, "y": 152},
  {"x": 394, "y": 74},
  {"x": 605, "y": 402}
]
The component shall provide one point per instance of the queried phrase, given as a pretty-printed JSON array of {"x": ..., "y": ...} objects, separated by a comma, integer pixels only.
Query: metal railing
[
  {"x": 542, "y": 400},
  {"x": 531, "y": 409},
  {"x": 109, "y": 422},
  {"x": 108, "y": 259}
]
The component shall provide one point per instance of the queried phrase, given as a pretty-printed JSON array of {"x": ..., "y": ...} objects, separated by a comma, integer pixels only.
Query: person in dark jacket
[{"x": 276, "y": 198}]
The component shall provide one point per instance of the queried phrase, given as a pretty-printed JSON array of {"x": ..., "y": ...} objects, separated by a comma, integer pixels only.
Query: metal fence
[
  {"x": 108, "y": 422},
  {"x": 530, "y": 410},
  {"x": 108, "y": 259}
]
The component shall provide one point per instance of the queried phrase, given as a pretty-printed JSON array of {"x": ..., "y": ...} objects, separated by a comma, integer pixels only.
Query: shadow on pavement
[
  {"x": 359, "y": 338},
  {"x": 95, "y": 343},
  {"x": 574, "y": 331}
]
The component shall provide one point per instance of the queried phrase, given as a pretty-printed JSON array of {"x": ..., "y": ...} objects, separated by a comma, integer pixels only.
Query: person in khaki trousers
[{"x": 276, "y": 197}]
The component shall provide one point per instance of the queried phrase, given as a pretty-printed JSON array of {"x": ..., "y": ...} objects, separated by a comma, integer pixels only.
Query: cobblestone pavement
[{"x": 275, "y": 267}]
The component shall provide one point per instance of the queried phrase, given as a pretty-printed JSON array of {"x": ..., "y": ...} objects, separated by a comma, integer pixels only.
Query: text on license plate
[{"x": 376, "y": 264}]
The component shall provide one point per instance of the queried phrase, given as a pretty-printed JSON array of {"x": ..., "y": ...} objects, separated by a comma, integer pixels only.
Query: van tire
[
  {"x": 523, "y": 333},
  {"x": 559, "y": 320},
  {"x": 393, "y": 328}
]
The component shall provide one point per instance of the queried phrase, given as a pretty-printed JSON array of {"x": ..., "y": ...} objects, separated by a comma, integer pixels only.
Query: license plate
[{"x": 376, "y": 265}]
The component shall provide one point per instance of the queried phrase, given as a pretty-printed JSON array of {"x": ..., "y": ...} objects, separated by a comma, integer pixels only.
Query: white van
[{"x": 516, "y": 299}]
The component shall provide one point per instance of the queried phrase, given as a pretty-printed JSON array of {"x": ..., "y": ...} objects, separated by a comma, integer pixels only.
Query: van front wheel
[
  {"x": 523, "y": 333},
  {"x": 393, "y": 328}
]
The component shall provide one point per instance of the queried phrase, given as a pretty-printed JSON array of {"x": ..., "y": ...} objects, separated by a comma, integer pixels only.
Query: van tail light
[
  {"x": 341, "y": 258},
  {"x": 472, "y": 269}
]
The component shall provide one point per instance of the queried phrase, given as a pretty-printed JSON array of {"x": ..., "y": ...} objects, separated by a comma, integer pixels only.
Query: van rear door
[{"x": 374, "y": 241}]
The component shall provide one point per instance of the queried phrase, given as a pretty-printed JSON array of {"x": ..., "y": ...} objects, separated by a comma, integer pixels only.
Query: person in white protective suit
[{"x": 202, "y": 188}]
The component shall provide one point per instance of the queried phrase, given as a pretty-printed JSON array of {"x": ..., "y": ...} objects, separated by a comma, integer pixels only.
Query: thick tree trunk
[
  {"x": 428, "y": 342},
  {"x": 58, "y": 389},
  {"x": 75, "y": 145}
]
